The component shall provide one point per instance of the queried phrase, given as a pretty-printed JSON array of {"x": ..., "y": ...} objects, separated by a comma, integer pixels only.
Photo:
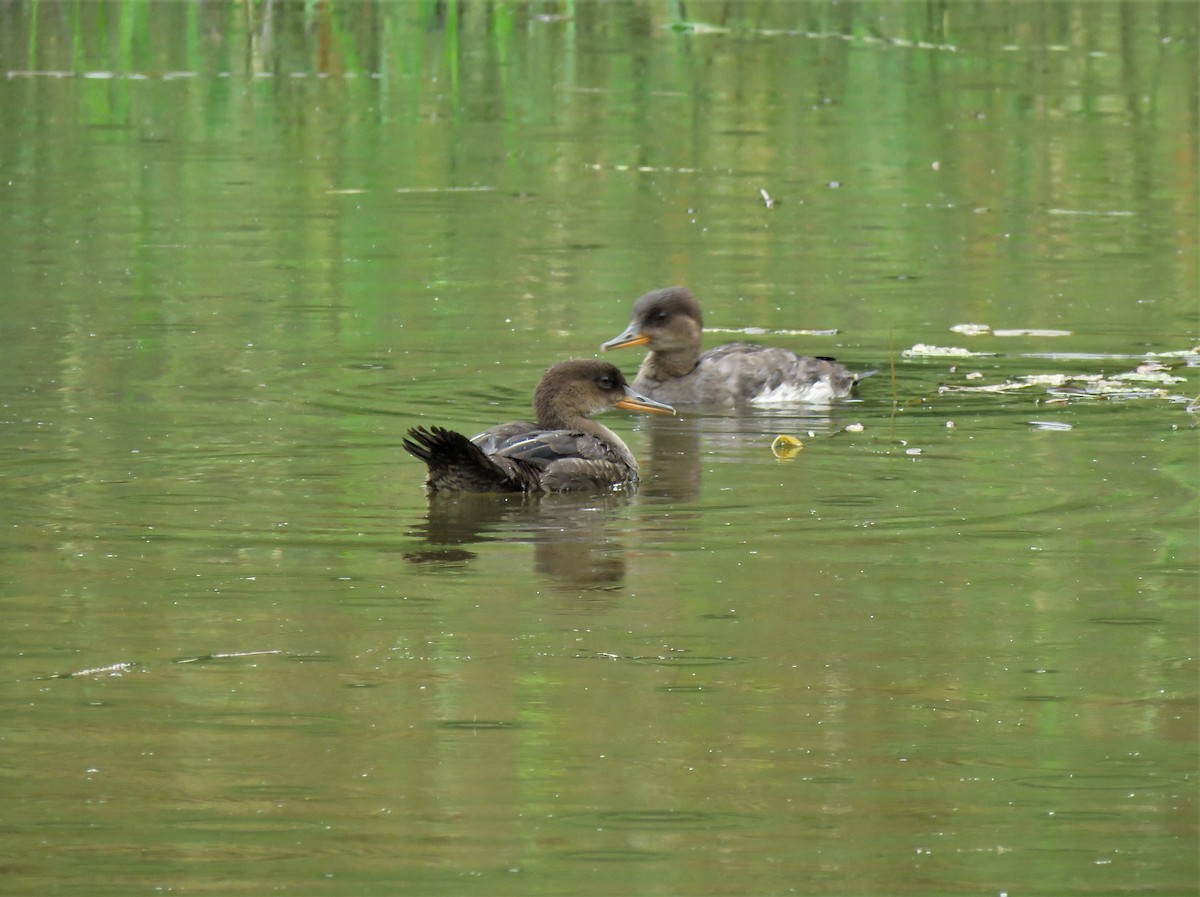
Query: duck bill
[
  {"x": 634, "y": 401},
  {"x": 631, "y": 337}
]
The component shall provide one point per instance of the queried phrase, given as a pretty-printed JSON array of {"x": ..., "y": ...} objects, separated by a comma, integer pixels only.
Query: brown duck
[{"x": 563, "y": 451}]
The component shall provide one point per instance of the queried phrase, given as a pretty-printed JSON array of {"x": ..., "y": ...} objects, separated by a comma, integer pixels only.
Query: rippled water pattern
[{"x": 946, "y": 645}]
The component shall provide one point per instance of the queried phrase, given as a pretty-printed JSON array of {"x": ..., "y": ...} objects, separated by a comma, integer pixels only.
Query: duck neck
[
  {"x": 599, "y": 431},
  {"x": 551, "y": 419},
  {"x": 669, "y": 364}
]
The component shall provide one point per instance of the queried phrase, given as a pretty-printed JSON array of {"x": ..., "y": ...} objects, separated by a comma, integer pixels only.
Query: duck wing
[
  {"x": 570, "y": 459},
  {"x": 547, "y": 446},
  {"x": 571, "y": 474},
  {"x": 494, "y": 439}
]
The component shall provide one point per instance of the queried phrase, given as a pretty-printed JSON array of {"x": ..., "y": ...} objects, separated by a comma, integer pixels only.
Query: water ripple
[
  {"x": 679, "y": 820},
  {"x": 1124, "y": 781}
]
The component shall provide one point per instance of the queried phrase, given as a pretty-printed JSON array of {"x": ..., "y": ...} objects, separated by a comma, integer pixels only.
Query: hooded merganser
[
  {"x": 668, "y": 321},
  {"x": 563, "y": 451}
]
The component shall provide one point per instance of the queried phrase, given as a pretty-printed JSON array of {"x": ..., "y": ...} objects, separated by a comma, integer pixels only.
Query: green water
[{"x": 245, "y": 246}]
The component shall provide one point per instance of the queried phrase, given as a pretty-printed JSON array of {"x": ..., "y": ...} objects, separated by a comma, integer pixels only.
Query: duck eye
[
  {"x": 658, "y": 317},
  {"x": 604, "y": 381}
]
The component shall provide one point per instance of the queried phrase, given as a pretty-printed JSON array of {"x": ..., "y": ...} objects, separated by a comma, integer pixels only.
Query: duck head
[
  {"x": 665, "y": 320},
  {"x": 572, "y": 391}
]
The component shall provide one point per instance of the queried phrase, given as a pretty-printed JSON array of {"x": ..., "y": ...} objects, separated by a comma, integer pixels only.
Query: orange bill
[
  {"x": 631, "y": 337},
  {"x": 635, "y": 401}
]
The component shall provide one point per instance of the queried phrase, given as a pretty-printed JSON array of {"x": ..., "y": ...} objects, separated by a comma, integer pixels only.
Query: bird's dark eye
[
  {"x": 604, "y": 381},
  {"x": 657, "y": 317}
]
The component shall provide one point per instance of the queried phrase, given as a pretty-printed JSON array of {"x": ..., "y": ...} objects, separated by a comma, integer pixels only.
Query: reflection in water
[
  {"x": 679, "y": 446},
  {"x": 671, "y": 468},
  {"x": 794, "y": 675},
  {"x": 574, "y": 540}
]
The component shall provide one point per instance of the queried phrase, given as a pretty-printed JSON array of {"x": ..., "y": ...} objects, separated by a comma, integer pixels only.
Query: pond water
[{"x": 949, "y": 646}]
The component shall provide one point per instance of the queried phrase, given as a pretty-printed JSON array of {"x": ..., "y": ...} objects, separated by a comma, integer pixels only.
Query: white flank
[{"x": 789, "y": 394}]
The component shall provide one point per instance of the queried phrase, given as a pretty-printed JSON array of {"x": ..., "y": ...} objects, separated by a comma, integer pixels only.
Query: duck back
[{"x": 736, "y": 373}]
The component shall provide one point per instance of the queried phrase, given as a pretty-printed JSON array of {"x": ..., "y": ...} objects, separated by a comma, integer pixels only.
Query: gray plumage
[{"x": 670, "y": 324}]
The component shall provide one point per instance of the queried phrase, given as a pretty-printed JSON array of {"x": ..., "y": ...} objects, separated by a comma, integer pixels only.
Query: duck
[
  {"x": 669, "y": 322},
  {"x": 563, "y": 450}
]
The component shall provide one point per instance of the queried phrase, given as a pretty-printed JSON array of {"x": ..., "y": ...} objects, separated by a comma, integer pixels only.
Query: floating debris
[
  {"x": 763, "y": 331},
  {"x": 981, "y": 329},
  {"x": 785, "y": 447},
  {"x": 1006, "y": 387},
  {"x": 1189, "y": 354},
  {"x": 1148, "y": 382},
  {"x": 768, "y": 200},
  {"x": 1031, "y": 331},
  {"x": 226, "y": 655},
  {"x": 479, "y": 189},
  {"x": 643, "y": 168},
  {"x": 113, "y": 669},
  {"x": 1050, "y": 425},
  {"x": 921, "y": 350},
  {"x": 1120, "y": 213},
  {"x": 1131, "y": 377}
]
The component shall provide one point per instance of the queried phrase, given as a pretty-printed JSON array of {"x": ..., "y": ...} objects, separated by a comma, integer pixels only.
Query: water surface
[{"x": 951, "y": 650}]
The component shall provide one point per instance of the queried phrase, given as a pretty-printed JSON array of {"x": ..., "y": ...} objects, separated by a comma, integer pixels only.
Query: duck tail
[{"x": 456, "y": 464}]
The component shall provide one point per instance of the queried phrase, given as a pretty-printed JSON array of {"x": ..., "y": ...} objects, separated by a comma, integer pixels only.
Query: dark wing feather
[
  {"x": 457, "y": 464},
  {"x": 578, "y": 473},
  {"x": 546, "y": 446},
  {"x": 494, "y": 439},
  {"x": 518, "y": 457},
  {"x": 569, "y": 459}
]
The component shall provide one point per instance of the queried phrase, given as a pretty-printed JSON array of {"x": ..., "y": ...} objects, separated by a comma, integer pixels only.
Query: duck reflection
[
  {"x": 679, "y": 447},
  {"x": 671, "y": 467},
  {"x": 575, "y": 539}
]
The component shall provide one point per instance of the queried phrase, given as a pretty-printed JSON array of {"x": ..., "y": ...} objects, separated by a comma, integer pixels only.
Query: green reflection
[{"x": 266, "y": 237}]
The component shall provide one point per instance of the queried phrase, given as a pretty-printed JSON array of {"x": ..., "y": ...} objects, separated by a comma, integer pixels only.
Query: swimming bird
[
  {"x": 669, "y": 322},
  {"x": 564, "y": 450}
]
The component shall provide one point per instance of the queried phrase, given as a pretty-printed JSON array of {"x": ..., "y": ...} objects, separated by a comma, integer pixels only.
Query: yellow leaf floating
[{"x": 785, "y": 447}]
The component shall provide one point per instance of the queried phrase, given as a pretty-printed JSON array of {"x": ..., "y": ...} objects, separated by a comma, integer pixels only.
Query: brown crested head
[
  {"x": 663, "y": 320},
  {"x": 666, "y": 304},
  {"x": 573, "y": 390}
]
